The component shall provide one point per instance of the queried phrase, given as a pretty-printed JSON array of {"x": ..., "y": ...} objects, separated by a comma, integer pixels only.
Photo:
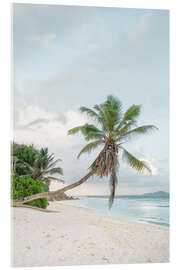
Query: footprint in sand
[{"x": 105, "y": 259}]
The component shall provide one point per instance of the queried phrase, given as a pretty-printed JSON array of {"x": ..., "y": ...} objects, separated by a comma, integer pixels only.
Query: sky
[{"x": 65, "y": 57}]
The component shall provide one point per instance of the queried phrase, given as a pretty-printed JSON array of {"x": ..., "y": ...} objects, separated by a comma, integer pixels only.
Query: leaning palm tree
[{"x": 113, "y": 129}]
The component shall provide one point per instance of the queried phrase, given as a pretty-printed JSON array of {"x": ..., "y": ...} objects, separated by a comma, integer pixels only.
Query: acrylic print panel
[{"x": 92, "y": 83}]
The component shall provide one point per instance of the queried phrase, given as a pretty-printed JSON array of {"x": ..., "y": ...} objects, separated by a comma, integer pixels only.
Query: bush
[
  {"x": 26, "y": 186},
  {"x": 24, "y": 153}
]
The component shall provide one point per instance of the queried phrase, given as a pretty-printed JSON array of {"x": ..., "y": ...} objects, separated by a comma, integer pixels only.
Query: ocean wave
[{"x": 160, "y": 223}]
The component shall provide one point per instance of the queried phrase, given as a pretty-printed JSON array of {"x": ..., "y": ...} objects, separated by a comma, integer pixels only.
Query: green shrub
[
  {"x": 26, "y": 186},
  {"x": 24, "y": 153},
  {"x": 45, "y": 187}
]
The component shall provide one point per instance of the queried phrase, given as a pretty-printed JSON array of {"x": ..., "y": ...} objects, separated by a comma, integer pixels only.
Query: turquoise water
[{"x": 148, "y": 210}]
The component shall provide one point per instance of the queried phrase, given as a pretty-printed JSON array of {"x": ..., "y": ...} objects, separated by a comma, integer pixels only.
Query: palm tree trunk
[{"x": 51, "y": 194}]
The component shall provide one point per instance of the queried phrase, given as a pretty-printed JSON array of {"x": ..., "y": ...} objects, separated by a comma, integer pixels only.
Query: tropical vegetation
[
  {"x": 26, "y": 186},
  {"x": 32, "y": 172}
]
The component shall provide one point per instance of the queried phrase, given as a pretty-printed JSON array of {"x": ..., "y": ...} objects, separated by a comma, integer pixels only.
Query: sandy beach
[{"x": 76, "y": 236}]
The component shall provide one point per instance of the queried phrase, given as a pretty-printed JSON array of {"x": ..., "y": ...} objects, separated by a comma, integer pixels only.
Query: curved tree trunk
[{"x": 51, "y": 195}]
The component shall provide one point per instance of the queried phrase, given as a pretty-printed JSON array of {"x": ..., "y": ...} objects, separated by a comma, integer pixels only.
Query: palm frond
[
  {"x": 112, "y": 110},
  {"x": 89, "y": 132},
  {"x": 107, "y": 120},
  {"x": 74, "y": 130},
  {"x": 110, "y": 117},
  {"x": 100, "y": 110},
  {"x": 91, "y": 146},
  {"x": 49, "y": 158},
  {"x": 125, "y": 128},
  {"x": 138, "y": 131},
  {"x": 54, "y": 170},
  {"x": 31, "y": 168},
  {"x": 91, "y": 113},
  {"x": 52, "y": 164},
  {"x": 130, "y": 115},
  {"x": 54, "y": 179},
  {"x": 43, "y": 151},
  {"x": 133, "y": 162},
  {"x": 114, "y": 103}
]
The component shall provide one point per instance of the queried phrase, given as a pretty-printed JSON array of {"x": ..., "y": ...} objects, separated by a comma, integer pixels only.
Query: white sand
[{"x": 77, "y": 236}]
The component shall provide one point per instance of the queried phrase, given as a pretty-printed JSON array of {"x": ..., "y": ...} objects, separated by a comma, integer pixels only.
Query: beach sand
[{"x": 76, "y": 236}]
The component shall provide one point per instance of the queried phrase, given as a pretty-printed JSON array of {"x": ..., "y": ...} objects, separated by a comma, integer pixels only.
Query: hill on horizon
[{"x": 157, "y": 194}]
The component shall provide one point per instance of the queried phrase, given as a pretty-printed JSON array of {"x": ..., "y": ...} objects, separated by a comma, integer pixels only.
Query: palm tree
[
  {"x": 41, "y": 167},
  {"x": 44, "y": 168},
  {"x": 113, "y": 129}
]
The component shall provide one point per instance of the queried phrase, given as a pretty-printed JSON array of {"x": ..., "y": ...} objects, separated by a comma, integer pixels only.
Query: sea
[{"x": 139, "y": 209}]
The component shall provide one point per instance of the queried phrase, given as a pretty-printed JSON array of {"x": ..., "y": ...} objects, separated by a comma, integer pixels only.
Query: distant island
[{"x": 157, "y": 194}]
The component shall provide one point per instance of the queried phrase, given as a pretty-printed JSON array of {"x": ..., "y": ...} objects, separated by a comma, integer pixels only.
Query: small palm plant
[
  {"x": 112, "y": 131},
  {"x": 44, "y": 167},
  {"x": 41, "y": 166}
]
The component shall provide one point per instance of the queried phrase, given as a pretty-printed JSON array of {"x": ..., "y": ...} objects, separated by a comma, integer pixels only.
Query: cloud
[
  {"x": 148, "y": 159},
  {"x": 30, "y": 113},
  {"x": 145, "y": 157},
  {"x": 45, "y": 128},
  {"x": 38, "y": 121},
  {"x": 44, "y": 40}
]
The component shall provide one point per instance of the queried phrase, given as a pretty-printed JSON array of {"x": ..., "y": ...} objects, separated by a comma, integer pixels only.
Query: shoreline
[
  {"x": 80, "y": 236},
  {"x": 118, "y": 218}
]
